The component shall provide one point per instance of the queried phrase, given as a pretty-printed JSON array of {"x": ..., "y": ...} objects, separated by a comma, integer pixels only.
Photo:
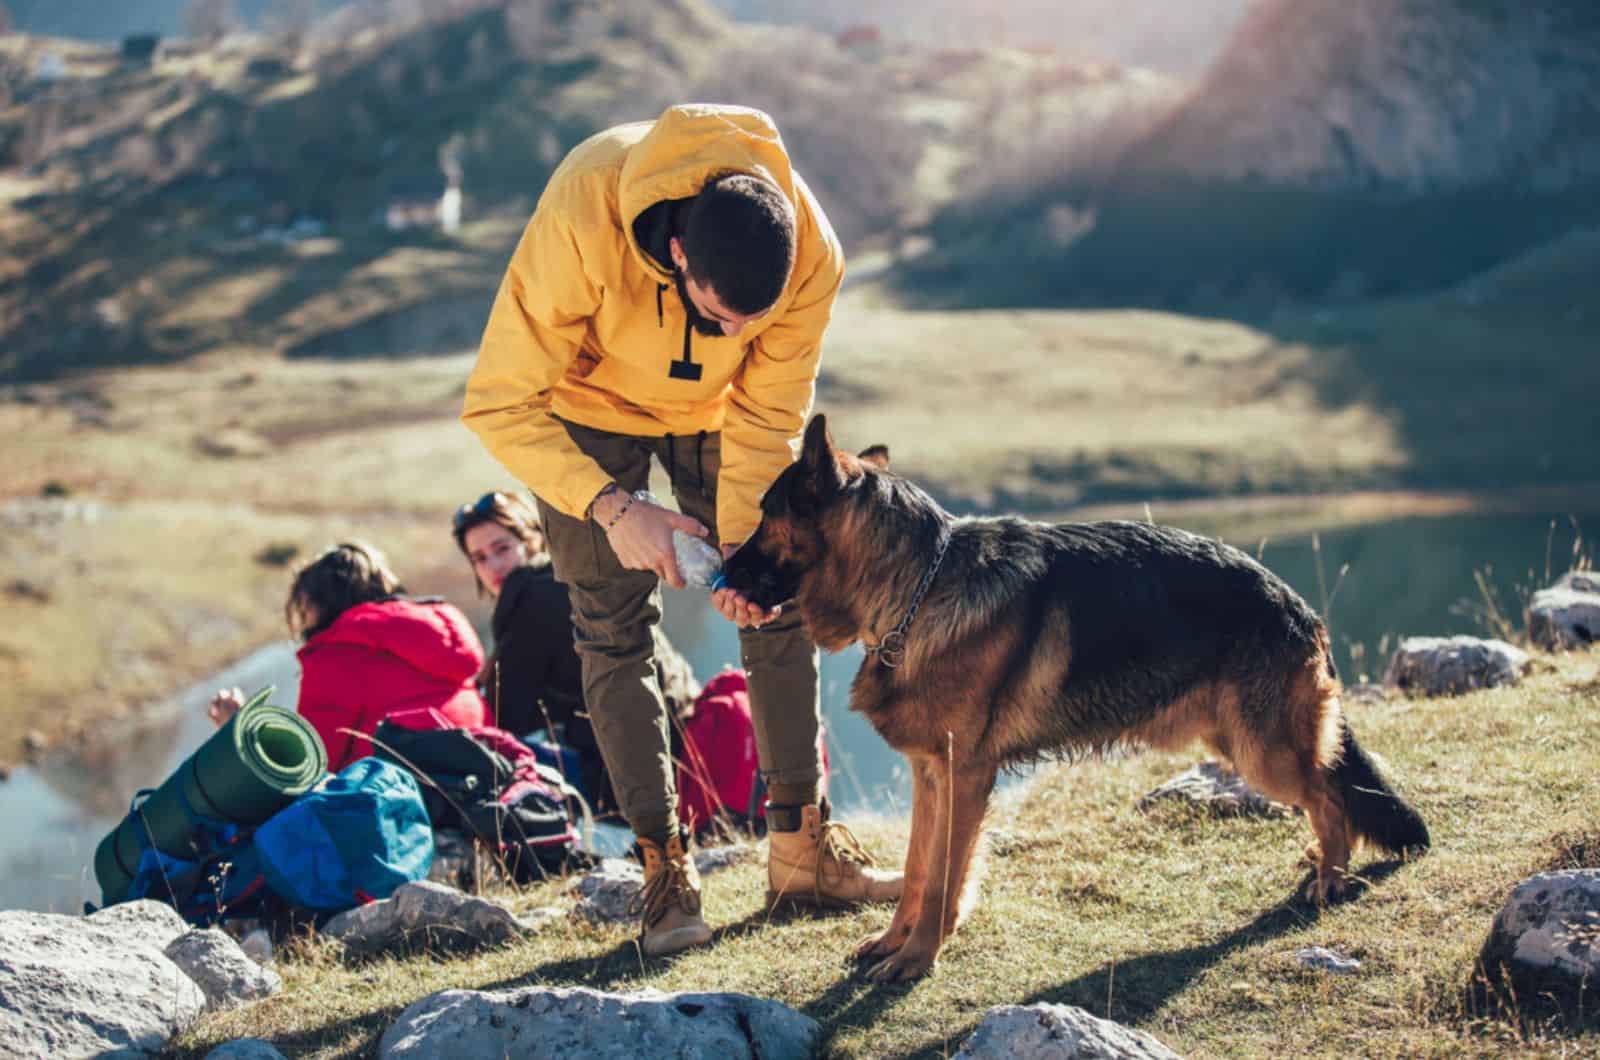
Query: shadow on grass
[{"x": 1130, "y": 992}]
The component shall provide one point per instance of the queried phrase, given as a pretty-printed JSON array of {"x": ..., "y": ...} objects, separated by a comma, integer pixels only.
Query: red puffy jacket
[{"x": 384, "y": 657}]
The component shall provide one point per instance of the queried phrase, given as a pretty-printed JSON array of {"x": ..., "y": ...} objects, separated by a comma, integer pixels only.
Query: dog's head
[{"x": 803, "y": 511}]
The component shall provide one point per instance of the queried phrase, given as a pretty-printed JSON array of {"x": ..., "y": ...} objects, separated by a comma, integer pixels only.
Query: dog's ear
[
  {"x": 818, "y": 443},
  {"x": 817, "y": 455},
  {"x": 877, "y": 456}
]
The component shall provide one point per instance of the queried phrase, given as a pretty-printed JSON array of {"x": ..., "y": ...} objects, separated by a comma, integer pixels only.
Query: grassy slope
[
  {"x": 1485, "y": 385},
  {"x": 1170, "y": 922}
]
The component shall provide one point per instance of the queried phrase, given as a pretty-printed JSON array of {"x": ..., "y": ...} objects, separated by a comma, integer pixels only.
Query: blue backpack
[
  {"x": 223, "y": 883},
  {"x": 353, "y": 839}
]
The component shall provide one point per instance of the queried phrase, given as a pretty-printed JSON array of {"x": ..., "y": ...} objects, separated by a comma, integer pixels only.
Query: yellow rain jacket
[{"x": 586, "y": 324}]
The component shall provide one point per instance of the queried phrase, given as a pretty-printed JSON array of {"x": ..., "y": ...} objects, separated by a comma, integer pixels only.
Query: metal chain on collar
[{"x": 891, "y": 650}]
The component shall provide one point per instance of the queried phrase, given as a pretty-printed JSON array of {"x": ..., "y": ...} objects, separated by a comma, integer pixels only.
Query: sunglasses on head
[{"x": 480, "y": 509}]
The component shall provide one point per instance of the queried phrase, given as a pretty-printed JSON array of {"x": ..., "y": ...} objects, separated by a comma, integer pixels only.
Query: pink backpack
[{"x": 718, "y": 769}]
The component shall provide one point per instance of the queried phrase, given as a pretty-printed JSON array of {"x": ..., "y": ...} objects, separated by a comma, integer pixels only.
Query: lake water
[{"x": 1403, "y": 577}]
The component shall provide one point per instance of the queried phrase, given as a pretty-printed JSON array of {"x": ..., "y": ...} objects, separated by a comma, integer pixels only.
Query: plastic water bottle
[{"x": 698, "y": 562}]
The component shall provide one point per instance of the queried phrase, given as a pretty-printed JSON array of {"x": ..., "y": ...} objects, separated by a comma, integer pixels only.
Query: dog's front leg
[
  {"x": 924, "y": 778},
  {"x": 960, "y": 796}
]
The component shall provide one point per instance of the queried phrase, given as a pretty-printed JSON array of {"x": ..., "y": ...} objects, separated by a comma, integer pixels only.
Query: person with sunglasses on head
[
  {"x": 370, "y": 651},
  {"x": 532, "y": 678},
  {"x": 667, "y": 301}
]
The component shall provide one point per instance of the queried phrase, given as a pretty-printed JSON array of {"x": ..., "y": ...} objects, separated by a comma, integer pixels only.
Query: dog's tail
[{"x": 1376, "y": 813}]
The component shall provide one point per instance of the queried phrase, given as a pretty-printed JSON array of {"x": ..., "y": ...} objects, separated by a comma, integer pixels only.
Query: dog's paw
[
  {"x": 876, "y": 947},
  {"x": 1330, "y": 888},
  {"x": 907, "y": 964}
]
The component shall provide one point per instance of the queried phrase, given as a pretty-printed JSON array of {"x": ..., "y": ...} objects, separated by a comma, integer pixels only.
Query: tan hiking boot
[
  {"x": 669, "y": 903},
  {"x": 822, "y": 862}
]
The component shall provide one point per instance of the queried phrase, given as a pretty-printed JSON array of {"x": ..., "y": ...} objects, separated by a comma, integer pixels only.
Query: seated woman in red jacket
[{"x": 370, "y": 651}]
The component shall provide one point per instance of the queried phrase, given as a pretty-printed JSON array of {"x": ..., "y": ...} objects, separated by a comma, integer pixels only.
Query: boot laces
[
  {"x": 837, "y": 845},
  {"x": 665, "y": 889}
]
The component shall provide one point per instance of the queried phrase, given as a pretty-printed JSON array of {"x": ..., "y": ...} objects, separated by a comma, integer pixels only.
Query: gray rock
[
  {"x": 1218, "y": 790},
  {"x": 453, "y": 859},
  {"x": 1326, "y": 960},
  {"x": 1579, "y": 581},
  {"x": 607, "y": 891},
  {"x": 714, "y": 859},
  {"x": 1448, "y": 666},
  {"x": 1057, "y": 1032},
  {"x": 537, "y": 1022},
  {"x": 257, "y": 945},
  {"x": 1549, "y": 929},
  {"x": 153, "y": 923},
  {"x": 245, "y": 1049},
  {"x": 1565, "y": 616},
  {"x": 424, "y": 911},
  {"x": 223, "y": 972},
  {"x": 90, "y": 986}
]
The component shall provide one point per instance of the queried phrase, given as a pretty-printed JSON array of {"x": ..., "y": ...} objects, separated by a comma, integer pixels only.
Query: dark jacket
[{"x": 534, "y": 667}]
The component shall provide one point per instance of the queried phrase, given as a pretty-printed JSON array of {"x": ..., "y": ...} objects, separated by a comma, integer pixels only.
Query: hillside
[
  {"x": 1332, "y": 151},
  {"x": 1177, "y": 39},
  {"x": 239, "y": 195},
  {"x": 1400, "y": 96}
]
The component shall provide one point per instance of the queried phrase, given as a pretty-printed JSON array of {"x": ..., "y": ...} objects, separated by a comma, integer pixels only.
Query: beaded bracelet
[{"x": 615, "y": 519}]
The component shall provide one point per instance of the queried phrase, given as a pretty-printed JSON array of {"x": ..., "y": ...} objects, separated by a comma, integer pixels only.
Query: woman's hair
[
  {"x": 345, "y": 575},
  {"x": 517, "y": 516}
]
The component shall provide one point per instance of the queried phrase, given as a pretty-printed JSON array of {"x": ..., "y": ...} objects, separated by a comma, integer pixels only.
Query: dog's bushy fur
[{"x": 1037, "y": 640}]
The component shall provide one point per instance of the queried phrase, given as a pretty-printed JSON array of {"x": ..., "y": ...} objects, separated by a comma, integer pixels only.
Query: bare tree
[
  {"x": 210, "y": 20},
  {"x": 7, "y": 23}
]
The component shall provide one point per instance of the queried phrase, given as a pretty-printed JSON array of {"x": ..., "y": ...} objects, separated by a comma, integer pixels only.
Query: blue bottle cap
[{"x": 719, "y": 580}]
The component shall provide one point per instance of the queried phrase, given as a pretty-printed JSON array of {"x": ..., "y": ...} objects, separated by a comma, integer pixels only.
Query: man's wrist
[{"x": 597, "y": 506}]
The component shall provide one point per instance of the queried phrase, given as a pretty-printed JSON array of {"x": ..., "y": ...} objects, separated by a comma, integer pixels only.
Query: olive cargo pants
[{"x": 614, "y": 613}]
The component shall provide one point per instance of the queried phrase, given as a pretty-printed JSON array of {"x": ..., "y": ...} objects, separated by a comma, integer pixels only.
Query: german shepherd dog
[{"x": 995, "y": 642}]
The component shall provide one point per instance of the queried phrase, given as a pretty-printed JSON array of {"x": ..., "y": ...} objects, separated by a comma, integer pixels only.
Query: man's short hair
[{"x": 739, "y": 241}]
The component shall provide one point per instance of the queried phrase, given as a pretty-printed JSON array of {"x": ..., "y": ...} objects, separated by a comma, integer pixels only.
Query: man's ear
[
  {"x": 877, "y": 456},
  {"x": 817, "y": 456}
]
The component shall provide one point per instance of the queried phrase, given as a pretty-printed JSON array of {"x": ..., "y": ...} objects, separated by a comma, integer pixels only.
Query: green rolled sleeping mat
[{"x": 263, "y": 759}]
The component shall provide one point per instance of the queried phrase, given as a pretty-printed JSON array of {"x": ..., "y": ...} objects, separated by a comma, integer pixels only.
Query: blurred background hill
[
  {"x": 1231, "y": 158},
  {"x": 1330, "y": 152},
  {"x": 302, "y": 163}
]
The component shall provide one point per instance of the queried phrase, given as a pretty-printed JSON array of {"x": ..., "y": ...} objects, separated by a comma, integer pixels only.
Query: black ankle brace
[{"x": 781, "y": 818}]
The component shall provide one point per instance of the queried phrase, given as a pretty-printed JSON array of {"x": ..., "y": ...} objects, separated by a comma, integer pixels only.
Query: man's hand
[
  {"x": 738, "y": 608},
  {"x": 642, "y": 537}
]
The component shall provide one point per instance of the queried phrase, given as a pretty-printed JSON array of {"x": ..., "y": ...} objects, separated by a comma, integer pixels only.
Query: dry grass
[
  {"x": 146, "y": 575},
  {"x": 1174, "y": 923},
  {"x": 1048, "y": 409}
]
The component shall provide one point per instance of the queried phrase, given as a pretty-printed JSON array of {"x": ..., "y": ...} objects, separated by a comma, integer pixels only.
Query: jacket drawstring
[
  {"x": 700, "y": 462},
  {"x": 661, "y": 317},
  {"x": 672, "y": 461}
]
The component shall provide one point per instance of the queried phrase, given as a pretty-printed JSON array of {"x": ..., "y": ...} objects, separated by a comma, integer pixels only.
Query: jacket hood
[
  {"x": 687, "y": 146},
  {"x": 433, "y": 637}
]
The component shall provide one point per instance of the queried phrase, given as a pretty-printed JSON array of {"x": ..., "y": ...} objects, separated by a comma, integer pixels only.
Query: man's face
[{"x": 707, "y": 314}]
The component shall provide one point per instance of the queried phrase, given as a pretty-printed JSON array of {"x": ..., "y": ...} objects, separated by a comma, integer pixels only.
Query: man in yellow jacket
[{"x": 668, "y": 300}]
